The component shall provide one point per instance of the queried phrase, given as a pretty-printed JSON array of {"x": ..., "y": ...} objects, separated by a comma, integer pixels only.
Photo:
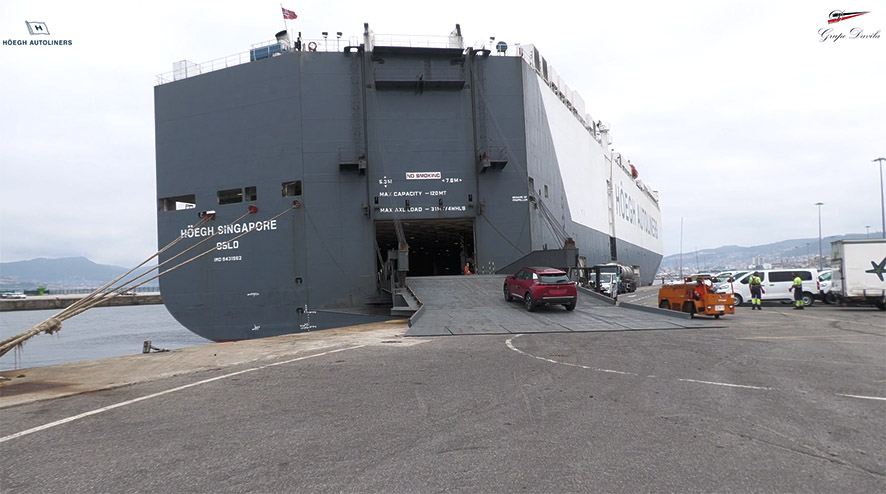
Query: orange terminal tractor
[{"x": 696, "y": 297}]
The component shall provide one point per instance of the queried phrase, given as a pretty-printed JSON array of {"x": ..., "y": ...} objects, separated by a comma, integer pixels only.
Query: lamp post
[
  {"x": 819, "y": 204},
  {"x": 867, "y": 231},
  {"x": 882, "y": 207}
]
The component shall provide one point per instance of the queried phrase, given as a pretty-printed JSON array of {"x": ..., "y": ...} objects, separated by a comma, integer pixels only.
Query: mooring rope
[{"x": 113, "y": 289}]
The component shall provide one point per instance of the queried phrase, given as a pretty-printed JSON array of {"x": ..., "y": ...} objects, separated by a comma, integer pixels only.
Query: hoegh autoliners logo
[
  {"x": 37, "y": 27},
  {"x": 839, "y": 15}
]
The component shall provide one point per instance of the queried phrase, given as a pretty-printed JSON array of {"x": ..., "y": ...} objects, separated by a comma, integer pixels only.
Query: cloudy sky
[{"x": 736, "y": 112}]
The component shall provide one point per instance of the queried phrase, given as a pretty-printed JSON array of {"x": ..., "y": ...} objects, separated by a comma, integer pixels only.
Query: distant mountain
[
  {"x": 795, "y": 253},
  {"x": 67, "y": 272}
]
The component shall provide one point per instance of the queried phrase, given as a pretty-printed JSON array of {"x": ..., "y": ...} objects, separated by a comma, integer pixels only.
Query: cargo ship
[{"x": 300, "y": 186}]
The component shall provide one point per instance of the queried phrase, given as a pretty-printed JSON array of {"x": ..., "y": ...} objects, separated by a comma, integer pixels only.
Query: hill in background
[
  {"x": 795, "y": 253},
  {"x": 67, "y": 272}
]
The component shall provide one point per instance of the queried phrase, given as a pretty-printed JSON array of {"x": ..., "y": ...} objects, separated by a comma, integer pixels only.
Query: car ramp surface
[{"x": 459, "y": 305}]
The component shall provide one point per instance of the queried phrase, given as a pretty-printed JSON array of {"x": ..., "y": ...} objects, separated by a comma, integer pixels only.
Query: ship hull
[{"x": 291, "y": 176}]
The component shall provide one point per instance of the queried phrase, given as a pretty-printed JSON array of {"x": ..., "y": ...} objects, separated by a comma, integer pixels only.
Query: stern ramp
[{"x": 471, "y": 305}]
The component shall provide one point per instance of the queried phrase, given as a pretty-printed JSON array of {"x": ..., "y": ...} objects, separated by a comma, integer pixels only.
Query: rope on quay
[{"x": 116, "y": 287}]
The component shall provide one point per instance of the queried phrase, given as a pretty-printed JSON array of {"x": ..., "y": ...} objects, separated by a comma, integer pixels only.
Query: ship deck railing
[{"x": 185, "y": 69}]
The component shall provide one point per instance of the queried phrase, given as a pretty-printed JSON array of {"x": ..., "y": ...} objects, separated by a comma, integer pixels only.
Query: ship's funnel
[{"x": 283, "y": 39}]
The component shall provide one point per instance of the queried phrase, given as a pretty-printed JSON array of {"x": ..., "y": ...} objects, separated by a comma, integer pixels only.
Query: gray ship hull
[{"x": 292, "y": 175}]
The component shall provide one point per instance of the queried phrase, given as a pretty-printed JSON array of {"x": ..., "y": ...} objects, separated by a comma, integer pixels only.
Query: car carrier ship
[{"x": 298, "y": 186}]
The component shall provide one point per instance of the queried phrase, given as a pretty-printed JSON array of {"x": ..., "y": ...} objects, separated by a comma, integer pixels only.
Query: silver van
[{"x": 777, "y": 284}]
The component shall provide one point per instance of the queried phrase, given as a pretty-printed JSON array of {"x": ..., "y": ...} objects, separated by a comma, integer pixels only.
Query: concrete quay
[
  {"x": 766, "y": 401},
  {"x": 48, "y": 302}
]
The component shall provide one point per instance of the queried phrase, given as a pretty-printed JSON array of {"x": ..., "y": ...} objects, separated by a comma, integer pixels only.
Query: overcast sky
[{"x": 736, "y": 112}]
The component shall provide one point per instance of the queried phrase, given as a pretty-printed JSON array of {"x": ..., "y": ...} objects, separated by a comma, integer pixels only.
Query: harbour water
[{"x": 98, "y": 333}]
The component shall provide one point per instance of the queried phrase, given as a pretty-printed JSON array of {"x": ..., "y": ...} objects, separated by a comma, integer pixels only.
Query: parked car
[
  {"x": 606, "y": 283},
  {"x": 692, "y": 277},
  {"x": 776, "y": 284},
  {"x": 13, "y": 295},
  {"x": 824, "y": 287},
  {"x": 541, "y": 286},
  {"x": 723, "y": 277}
]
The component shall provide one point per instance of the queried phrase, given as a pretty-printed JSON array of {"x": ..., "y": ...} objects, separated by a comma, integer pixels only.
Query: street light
[
  {"x": 819, "y": 204},
  {"x": 867, "y": 231},
  {"x": 882, "y": 207}
]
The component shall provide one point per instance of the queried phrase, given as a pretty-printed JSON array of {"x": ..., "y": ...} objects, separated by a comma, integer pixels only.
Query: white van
[{"x": 777, "y": 284}]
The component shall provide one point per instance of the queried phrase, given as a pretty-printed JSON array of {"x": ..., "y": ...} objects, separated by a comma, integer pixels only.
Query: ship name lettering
[
  {"x": 248, "y": 227},
  {"x": 203, "y": 231}
]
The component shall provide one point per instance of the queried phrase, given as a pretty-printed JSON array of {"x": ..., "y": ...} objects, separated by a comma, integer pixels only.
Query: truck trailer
[{"x": 859, "y": 271}]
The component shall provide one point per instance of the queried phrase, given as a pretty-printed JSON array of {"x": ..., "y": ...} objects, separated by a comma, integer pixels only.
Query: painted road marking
[
  {"x": 161, "y": 393},
  {"x": 569, "y": 364},
  {"x": 725, "y": 384},
  {"x": 510, "y": 343},
  {"x": 862, "y": 397},
  {"x": 798, "y": 337},
  {"x": 785, "y": 313}
]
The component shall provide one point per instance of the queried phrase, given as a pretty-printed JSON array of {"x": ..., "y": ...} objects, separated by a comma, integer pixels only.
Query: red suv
[{"x": 541, "y": 286}]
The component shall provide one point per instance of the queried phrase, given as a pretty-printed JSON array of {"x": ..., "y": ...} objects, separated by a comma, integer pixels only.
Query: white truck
[{"x": 859, "y": 271}]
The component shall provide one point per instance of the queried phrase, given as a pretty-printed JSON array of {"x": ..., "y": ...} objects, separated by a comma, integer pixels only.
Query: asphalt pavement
[{"x": 763, "y": 401}]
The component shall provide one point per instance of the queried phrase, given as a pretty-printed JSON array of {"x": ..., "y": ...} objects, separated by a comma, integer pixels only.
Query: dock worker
[
  {"x": 797, "y": 287},
  {"x": 756, "y": 285}
]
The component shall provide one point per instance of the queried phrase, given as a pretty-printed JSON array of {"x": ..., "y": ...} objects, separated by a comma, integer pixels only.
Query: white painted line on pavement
[
  {"x": 862, "y": 397},
  {"x": 725, "y": 384},
  {"x": 512, "y": 347},
  {"x": 161, "y": 393},
  {"x": 510, "y": 344}
]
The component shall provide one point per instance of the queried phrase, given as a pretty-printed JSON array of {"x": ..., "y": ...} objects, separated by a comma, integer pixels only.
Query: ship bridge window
[
  {"x": 230, "y": 196},
  {"x": 178, "y": 203},
  {"x": 251, "y": 194},
  {"x": 292, "y": 188}
]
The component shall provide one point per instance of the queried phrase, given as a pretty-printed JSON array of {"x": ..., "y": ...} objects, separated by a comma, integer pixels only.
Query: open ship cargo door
[{"x": 436, "y": 247}]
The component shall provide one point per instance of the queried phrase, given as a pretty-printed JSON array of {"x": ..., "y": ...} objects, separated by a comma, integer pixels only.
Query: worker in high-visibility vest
[
  {"x": 797, "y": 287},
  {"x": 756, "y": 285}
]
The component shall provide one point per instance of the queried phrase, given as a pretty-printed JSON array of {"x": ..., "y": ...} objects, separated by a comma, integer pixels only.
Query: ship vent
[
  {"x": 493, "y": 158},
  {"x": 352, "y": 160}
]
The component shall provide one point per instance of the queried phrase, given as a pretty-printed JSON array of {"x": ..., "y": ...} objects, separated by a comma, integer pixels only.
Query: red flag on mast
[{"x": 288, "y": 14}]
